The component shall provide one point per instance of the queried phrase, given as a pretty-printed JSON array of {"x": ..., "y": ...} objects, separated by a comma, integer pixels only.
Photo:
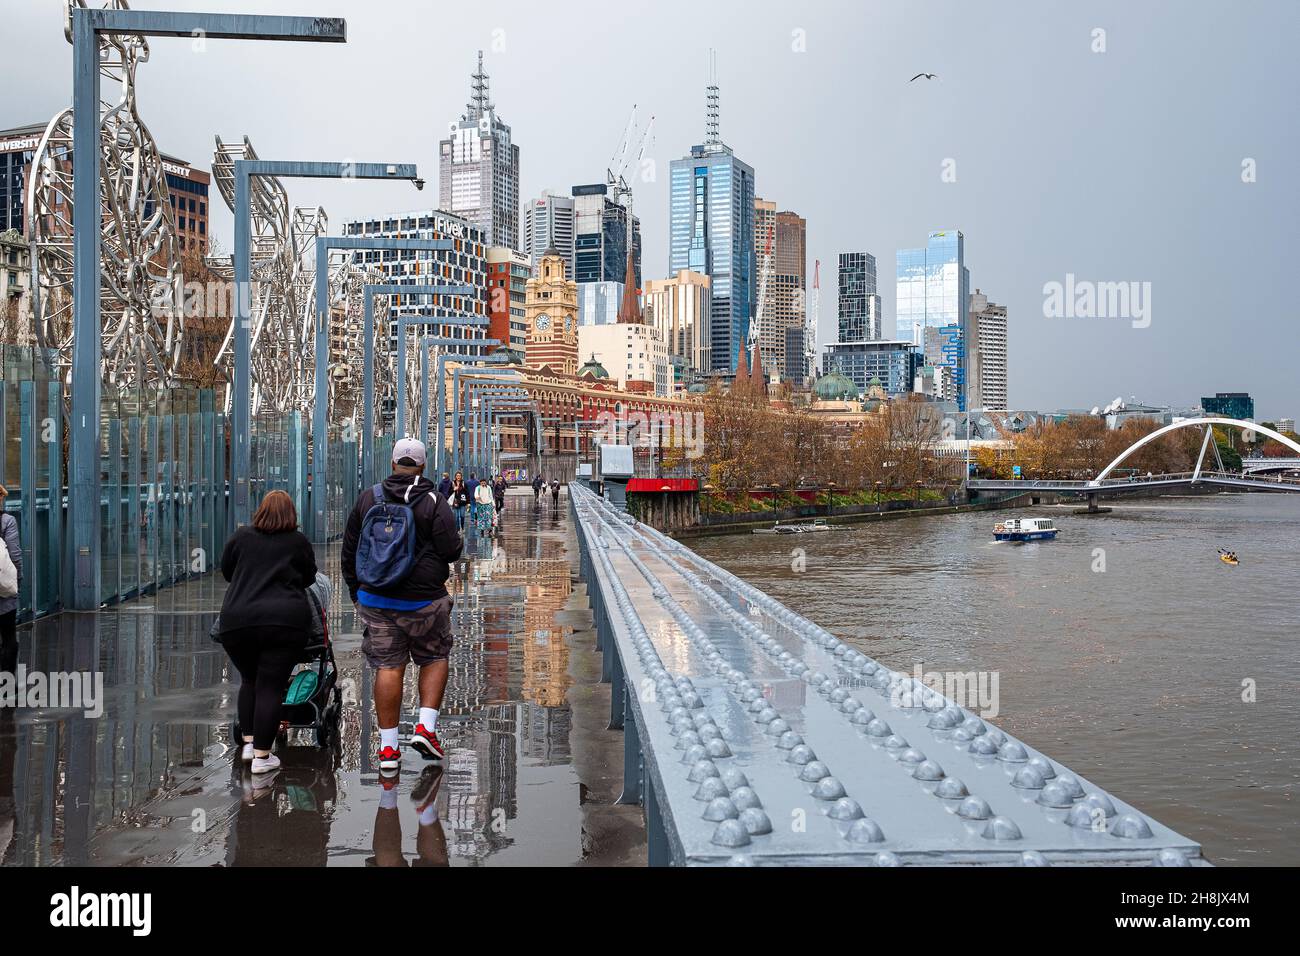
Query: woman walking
[
  {"x": 265, "y": 618},
  {"x": 459, "y": 500},
  {"x": 484, "y": 509},
  {"x": 9, "y": 605}
]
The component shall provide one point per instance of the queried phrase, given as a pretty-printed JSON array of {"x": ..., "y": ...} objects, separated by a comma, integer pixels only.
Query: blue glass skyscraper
[
  {"x": 711, "y": 231},
  {"x": 933, "y": 292}
]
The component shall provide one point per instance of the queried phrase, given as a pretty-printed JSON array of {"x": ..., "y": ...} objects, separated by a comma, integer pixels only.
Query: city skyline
[{"x": 1077, "y": 193}]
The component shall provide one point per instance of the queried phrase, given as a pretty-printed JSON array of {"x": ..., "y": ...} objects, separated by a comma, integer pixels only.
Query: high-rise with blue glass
[
  {"x": 932, "y": 293},
  {"x": 712, "y": 232}
]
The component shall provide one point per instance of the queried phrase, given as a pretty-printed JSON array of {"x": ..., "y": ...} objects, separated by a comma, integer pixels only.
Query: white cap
[{"x": 408, "y": 448}]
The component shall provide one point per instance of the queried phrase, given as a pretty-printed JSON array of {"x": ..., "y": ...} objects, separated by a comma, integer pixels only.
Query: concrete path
[{"x": 531, "y": 773}]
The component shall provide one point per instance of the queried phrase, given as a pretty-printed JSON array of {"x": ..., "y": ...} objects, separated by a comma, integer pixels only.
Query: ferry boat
[
  {"x": 817, "y": 524},
  {"x": 1025, "y": 529}
]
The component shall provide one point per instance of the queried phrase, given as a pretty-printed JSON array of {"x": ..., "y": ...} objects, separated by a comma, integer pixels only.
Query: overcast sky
[{"x": 1123, "y": 165}]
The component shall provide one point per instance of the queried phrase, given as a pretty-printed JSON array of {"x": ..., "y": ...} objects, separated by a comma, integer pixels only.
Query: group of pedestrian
[
  {"x": 478, "y": 502},
  {"x": 401, "y": 538},
  {"x": 540, "y": 485}
]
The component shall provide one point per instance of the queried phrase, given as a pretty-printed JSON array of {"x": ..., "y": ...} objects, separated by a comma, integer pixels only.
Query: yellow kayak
[{"x": 1227, "y": 559}]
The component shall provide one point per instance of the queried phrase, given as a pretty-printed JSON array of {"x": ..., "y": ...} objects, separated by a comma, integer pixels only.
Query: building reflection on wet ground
[{"x": 154, "y": 781}]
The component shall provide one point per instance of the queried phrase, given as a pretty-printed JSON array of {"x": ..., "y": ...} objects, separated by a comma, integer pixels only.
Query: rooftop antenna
[
  {"x": 480, "y": 99},
  {"x": 713, "y": 136}
]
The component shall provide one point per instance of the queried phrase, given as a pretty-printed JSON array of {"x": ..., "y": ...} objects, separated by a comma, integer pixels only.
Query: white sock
[
  {"x": 388, "y": 800},
  {"x": 429, "y": 814},
  {"x": 388, "y": 738},
  {"x": 429, "y": 717}
]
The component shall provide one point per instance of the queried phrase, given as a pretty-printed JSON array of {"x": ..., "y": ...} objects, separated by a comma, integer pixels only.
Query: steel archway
[{"x": 1193, "y": 423}]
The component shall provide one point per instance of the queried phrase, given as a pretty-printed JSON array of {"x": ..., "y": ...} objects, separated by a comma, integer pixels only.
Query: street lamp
[
  {"x": 919, "y": 482},
  {"x": 85, "y": 28},
  {"x": 830, "y": 498}
]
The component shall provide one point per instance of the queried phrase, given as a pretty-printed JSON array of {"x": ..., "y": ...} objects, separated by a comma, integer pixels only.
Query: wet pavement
[{"x": 530, "y": 777}]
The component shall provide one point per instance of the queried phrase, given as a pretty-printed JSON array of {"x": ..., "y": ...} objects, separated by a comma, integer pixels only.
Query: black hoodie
[{"x": 437, "y": 540}]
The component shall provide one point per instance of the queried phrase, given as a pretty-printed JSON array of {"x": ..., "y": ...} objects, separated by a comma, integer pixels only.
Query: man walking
[
  {"x": 538, "y": 485},
  {"x": 444, "y": 486},
  {"x": 399, "y": 542}
]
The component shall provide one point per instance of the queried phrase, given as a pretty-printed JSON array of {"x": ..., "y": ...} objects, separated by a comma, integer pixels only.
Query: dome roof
[
  {"x": 835, "y": 387},
  {"x": 593, "y": 368}
]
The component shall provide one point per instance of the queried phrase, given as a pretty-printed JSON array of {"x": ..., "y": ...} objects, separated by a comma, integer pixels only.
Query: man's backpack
[{"x": 386, "y": 549}]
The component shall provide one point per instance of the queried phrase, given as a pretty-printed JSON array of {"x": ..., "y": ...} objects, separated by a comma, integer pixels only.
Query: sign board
[
  {"x": 584, "y": 470},
  {"x": 1015, "y": 471},
  {"x": 616, "y": 461}
]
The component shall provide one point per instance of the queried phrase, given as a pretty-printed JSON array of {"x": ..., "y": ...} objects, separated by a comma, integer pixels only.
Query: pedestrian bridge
[
  {"x": 754, "y": 737},
  {"x": 1261, "y": 465},
  {"x": 1116, "y": 487},
  {"x": 1248, "y": 479}
]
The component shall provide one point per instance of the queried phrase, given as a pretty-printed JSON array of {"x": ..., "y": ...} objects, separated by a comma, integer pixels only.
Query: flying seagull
[{"x": 928, "y": 76}]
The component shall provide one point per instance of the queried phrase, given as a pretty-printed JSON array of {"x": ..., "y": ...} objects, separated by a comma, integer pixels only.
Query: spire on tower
[
  {"x": 480, "y": 98},
  {"x": 712, "y": 129}
]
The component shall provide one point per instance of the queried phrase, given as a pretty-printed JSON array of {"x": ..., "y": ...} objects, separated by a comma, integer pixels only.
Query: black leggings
[
  {"x": 9, "y": 641},
  {"x": 264, "y": 659}
]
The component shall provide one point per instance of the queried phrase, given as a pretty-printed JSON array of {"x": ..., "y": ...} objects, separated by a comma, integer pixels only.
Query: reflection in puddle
[{"x": 153, "y": 779}]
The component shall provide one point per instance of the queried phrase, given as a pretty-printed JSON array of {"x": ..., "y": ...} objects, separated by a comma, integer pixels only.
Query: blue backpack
[{"x": 386, "y": 548}]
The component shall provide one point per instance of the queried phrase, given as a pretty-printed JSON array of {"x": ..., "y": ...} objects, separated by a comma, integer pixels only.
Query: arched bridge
[{"x": 1252, "y": 479}]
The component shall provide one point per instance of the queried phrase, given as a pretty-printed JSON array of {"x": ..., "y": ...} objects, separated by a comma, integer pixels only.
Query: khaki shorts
[{"x": 394, "y": 637}]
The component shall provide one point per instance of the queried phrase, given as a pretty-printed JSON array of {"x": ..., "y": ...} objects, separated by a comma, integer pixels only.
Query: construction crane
[{"x": 619, "y": 163}]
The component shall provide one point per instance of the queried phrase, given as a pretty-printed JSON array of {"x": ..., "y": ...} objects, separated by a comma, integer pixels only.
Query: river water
[{"x": 1123, "y": 649}]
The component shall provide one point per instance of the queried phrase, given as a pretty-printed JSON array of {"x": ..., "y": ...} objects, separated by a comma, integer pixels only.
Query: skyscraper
[
  {"x": 987, "y": 351},
  {"x": 548, "y": 222},
  {"x": 600, "y": 236},
  {"x": 859, "y": 302},
  {"x": 465, "y": 264},
  {"x": 679, "y": 308},
  {"x": 780, "y": 256},
  {"x": 933, "y": 292},
  {"x": 478, "y": 168},
  {"x": 711, "y": 212}
]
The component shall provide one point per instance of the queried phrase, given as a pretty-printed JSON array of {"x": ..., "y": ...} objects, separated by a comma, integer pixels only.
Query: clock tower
[{"x": 551, "y": 311}]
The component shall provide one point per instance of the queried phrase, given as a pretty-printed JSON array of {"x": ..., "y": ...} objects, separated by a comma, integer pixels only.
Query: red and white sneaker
[
  {"x": 426, "y": 743},
  {"x": 390, "y": 759}
]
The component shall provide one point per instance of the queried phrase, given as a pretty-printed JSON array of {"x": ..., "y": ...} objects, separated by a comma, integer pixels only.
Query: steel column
[
  {"x": 368, "y": 293},
  {"x": 242, "y": 394},
  {"x": 84, "y": 487},
  {"x": 320, "y": 418}
]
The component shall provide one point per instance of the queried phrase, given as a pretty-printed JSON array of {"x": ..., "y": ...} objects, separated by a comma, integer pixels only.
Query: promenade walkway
[{"x": 531, "y": 773}]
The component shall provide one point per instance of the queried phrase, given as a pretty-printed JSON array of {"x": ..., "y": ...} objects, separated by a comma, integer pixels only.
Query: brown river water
[{"x": 1137, "y": 676}]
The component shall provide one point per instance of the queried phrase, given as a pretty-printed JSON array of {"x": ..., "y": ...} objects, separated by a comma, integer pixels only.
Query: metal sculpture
[
  {"x": 140, "y": 271},
  {"x": 282, "y": 295}
]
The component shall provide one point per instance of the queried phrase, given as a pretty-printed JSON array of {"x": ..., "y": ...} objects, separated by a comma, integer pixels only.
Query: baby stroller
[{"x": 313, "y": 701}]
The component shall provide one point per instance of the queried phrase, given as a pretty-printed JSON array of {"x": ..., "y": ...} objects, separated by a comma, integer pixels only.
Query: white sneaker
[
  {"x": 247, "y": 755},
  {"x": 266, "y": 764}
]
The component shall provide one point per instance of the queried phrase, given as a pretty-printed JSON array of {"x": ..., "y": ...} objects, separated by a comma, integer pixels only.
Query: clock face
[{"x": 543, "y": 323}]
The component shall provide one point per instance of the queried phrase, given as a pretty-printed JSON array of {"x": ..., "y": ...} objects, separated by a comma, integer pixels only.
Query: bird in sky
[{"x": 928, "y": 76}]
